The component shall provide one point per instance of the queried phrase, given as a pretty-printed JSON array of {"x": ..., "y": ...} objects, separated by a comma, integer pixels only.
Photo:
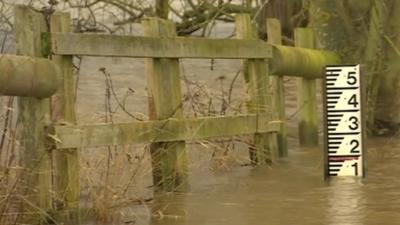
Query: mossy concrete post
[
  {"x": 165, "y": 101},
  {"x": 26, "y": 76},
  {"x": 34, "y": 115},
  {"x": 66, "y": 161},
  {"x": 300, "y": 62},
  {"x": 256, "y": 76},
  {"x": 307, "y": 95},
  {"x": 278, "y": 90}
]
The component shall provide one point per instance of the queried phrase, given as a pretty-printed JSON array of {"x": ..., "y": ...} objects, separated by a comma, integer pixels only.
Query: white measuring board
[{"x": 343, "y": 121}]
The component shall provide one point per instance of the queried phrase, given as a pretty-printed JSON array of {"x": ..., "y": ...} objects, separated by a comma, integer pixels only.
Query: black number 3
[{"x": 354, "y": 123}]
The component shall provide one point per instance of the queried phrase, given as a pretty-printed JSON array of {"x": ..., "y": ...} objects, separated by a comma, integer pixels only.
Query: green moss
[{"x": 46, "y": 44}]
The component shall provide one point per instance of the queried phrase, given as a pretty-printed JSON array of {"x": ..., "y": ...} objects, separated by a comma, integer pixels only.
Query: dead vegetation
[{"x": 115, "y": 178}]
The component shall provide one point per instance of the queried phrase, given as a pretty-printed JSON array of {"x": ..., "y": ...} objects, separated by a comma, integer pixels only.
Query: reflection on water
[
  {"x": 290, "y": 193},
  {"x": 168, "y": 209},
  {"x": 345, "y": 201}
]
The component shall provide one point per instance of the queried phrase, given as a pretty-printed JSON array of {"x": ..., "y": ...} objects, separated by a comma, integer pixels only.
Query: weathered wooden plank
[
  {"x": 66, "y": 161},
  {"x": 79, "y": 136},
  {"x": 255, "y": 72},
  {"x": 165, "y": 101},
  {"x": 278, "y": 90},
  {"x": 34, "y": 115},
  {"x": 285, "y": 60},
  {"x": 307, "y": 101},
  {"x": 155, "y": 47},
  {"x": 28, "y": 76}
]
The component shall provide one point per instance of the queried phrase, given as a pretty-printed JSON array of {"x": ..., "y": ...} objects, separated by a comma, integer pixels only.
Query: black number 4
[{"x": 353, "y": 101}]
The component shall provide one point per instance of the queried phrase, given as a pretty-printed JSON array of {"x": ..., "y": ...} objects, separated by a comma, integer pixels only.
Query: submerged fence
[{"x": 51, "y": 138}]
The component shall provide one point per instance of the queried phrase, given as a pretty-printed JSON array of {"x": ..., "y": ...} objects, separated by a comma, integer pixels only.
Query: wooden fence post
[
  {"x": 307, "y": 101},
  {"x": 34, "y": 115},
  {"x": 255, "y": 73},
  {"x": 165, "y": 101},
  {"x": 278, "y": 97},
  {"x": 66, "y": 161}
]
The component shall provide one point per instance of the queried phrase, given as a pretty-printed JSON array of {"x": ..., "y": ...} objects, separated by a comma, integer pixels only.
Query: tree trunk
[
  {"x": 356, "y": 30},
  {"x": 285, "y": 11},
  {"x": 328, "y": 25},
  {"x": 262, "y": 21},
  {"x": 388, "y": 97},
  {"x": 162, "y": 9},
  {"x": 375, "y": 57}
]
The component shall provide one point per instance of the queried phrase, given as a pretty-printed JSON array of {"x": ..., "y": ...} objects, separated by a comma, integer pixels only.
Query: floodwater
[{"x": 292, "y": 191}]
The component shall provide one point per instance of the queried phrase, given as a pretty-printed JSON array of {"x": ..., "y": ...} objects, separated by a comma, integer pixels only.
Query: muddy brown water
[{"x": 291, "y": 192}]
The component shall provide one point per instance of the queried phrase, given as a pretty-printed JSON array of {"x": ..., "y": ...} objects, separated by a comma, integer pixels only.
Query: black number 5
[{"x": 351, "y": 79}]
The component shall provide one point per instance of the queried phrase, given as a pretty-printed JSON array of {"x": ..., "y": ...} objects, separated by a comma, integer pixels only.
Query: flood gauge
[{"x": 343, "y": 103}]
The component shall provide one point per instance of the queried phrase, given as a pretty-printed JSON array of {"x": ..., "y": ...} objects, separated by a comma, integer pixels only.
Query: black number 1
[{"x": 355, "y": 165}]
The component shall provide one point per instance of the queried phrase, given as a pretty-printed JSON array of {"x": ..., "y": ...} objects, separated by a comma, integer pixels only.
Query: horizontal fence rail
[
  {"x": 154, "y": 47},
  {"x": 79, "y": 136},
  {"x": 284, "y": 60}
]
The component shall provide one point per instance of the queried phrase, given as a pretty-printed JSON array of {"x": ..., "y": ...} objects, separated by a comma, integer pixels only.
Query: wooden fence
[{"x": 51, "y": 138}]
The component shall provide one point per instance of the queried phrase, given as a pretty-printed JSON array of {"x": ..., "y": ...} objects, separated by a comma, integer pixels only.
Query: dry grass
[
  {"x": 117, "y": 177},
  {"x": 113, "y": 179}
]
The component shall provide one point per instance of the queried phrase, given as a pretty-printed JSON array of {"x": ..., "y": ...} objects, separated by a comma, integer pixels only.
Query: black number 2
[{"x": 355, "y": 145}]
